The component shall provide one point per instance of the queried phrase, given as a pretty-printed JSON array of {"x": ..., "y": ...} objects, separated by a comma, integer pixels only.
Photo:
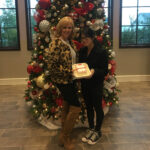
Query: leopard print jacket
[{"x": 60, "y": 62}]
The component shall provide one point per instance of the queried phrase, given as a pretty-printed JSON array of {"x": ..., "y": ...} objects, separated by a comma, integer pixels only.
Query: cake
[{"x": 81, "y": 70}]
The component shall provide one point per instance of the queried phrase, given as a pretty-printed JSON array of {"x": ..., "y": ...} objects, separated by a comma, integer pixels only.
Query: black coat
[{"x": 98, "y": 60}]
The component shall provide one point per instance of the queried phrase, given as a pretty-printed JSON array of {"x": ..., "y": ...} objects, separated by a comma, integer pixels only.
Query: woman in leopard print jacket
[{"x": 62, "y": 54}]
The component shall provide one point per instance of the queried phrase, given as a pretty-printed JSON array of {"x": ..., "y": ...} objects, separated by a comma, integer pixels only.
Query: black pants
[
  {"x": 69, "y": 93},
  {"x": 93, "y": 100}
]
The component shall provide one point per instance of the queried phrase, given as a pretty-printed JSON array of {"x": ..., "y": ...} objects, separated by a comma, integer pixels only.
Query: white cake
[{"x": 81, "y": 70}]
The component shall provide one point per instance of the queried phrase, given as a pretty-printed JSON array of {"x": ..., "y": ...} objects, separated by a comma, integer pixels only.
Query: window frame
[
  {"x": 9, "y": 48},
  {"x": 137, "y": 25},
  {"x": 28, "y": 25},
  {"x": 110, "y": 18}
]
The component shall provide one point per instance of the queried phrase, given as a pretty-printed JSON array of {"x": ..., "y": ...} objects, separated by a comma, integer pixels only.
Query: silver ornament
[
  {"x": 100, "y": 11},
  {"x": 44, "y": 26},
  {"x": 88, "y": 23},
  {"x": 47, "y": 39},
  {"x": 113, "y": 54},
  {"x": 98, "y": 24},
  {"x": 66, "y": 6},
  {"x": 35, "y": 55},
  {"x": 41, "y": 47},
  {"x": 107, "y": 36}
]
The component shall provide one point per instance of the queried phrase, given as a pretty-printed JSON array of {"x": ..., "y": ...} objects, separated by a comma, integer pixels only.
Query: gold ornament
[
  {"x": 35, "y": 111},
  {"x": 40, "y": 81},
  {"x": 44, "y": 105}
]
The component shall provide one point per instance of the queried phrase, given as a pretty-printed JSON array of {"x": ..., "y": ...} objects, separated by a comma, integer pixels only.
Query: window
[
  {"x": 9, "y": 29},
  {"x": 30, "y": 11},
  {"x": 109, "y": 13},
  {"x": 135, "y": 23}
]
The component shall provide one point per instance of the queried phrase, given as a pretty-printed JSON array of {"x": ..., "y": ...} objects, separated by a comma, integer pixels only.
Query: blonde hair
[{"x": 62, "y": 23}]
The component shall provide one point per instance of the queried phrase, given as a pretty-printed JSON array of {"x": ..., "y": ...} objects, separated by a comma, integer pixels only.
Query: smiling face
[
  {"x": 86, "y": 41},
  {"x": 66, "y": 31}
]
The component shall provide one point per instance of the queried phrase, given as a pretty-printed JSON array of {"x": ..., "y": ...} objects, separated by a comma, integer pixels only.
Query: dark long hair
[{"x": 88, "y": 32}]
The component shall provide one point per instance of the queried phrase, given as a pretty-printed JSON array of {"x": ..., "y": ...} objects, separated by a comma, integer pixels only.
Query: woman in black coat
[{"x": 92, "y": 87}]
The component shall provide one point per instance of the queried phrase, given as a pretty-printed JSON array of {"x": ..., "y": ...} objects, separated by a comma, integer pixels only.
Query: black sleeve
[
  {"x": 102, "y": 70},
  {"x": 81, "y": 55}
]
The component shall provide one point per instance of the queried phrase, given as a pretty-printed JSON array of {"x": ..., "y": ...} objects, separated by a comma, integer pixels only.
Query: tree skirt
[{"x": 55, "y": 124}]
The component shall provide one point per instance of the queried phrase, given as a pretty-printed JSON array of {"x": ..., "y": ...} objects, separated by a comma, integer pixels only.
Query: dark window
[
  {"x": 9, "y": 29},
  {"x": 30, "y": 11},
  {"x": 135, "y": 23}
]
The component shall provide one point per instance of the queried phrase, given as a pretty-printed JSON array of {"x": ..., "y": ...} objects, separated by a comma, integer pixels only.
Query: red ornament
[
  {"x": 110, "y": 103},
  {"x": 44, "y": 4},
  {"x": 113, "y": 68},
  {"x": 103, "y": 103},
  {"x": 26, "y": 98},
  {"x": 81, "y": 11},
  {"x": 37, "y": 69},
  {"x": 34, "y": 92},
  {"x": 109, "y": 43},
  {"x": 106, "y": 77},
  {"x": 89, "y": 6},
  {"x": 40, "y": 57},
  {"x": 39, "y": 16},
  {"x": 106, "y": 27},
  {"x": 59, "y": 101},
  {"x": 43, "y": 97},
  {"x": 53, "y": 110},
  {"x": 100, "y": 39},
  {"x": 78, "y": 44},
  {"x": 29, "y": 82},
  {"x": 29, "y": 69},
  {"x": 50, "y": 84},
  {"x": 93, "y": 21},
  {"x": 36, "y": 29},
  {"x": 73, "y": 15},
  {"x": 39, "y": 43}
]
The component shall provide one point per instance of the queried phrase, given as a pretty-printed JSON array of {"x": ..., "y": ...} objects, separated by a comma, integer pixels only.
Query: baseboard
[
  {"x": 120, "y": 78},
  {"x": 132, "y": 78}
]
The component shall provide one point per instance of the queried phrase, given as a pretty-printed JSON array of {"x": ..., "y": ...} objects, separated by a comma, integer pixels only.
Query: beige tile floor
[{"x": 126, "y": 127}]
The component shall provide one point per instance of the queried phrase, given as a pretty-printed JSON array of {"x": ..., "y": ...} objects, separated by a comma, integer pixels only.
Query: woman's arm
[{"x": 102, "y": 69}]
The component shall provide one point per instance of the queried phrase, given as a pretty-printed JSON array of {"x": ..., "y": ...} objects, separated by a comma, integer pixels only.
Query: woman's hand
[{"x": 92, "y": 73}]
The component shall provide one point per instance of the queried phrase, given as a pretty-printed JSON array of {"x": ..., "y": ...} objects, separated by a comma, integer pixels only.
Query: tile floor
[{"x": 126, "y": 127}]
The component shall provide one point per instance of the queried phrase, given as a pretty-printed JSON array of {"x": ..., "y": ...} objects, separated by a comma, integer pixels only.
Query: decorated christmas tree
[{"x": 42, "y": 96}]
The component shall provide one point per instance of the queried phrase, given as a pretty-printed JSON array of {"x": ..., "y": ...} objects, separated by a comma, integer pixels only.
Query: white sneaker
[
  {"x": 88, "y": 135},
  {"x": 94, "y": 138}
]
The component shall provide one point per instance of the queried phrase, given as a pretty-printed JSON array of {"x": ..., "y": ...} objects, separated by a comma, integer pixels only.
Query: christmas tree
[{"x": 43, "y": 97}]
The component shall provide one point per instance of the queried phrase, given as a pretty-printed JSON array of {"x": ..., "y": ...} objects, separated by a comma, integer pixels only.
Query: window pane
[
  {"x": 7, "y": 4},
  {"x": 8, "y": 25},
  {"x": 106, "y": 3},
  {"x": 129, "y": 3},
  {"x": 128, "y": 35},
  {"x": 144, "y": 2},
  {"x": 9, "y": 37},
  {"x": 8, "y": 18},
  {"x": 129, "y": 16},
  {"x": 33, "y": 22},
  {"x": 143, "y": 34},
  {"x": 33, "y": 3},
  {"x": 106, "y": 13},
  {"x": 144, "y": 16}
]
